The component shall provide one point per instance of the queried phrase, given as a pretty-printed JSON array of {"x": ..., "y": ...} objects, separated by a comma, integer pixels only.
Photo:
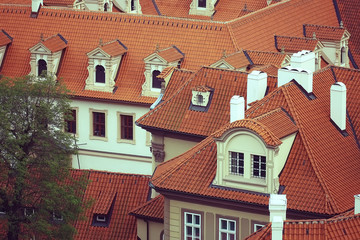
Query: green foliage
[{"x": 35, "y": 159}]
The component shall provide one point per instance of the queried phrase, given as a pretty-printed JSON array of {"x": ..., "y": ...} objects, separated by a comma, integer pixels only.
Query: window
[
  {"x": 99, "y": 124},
  {"x": 126, "y": 127},
  {"x": 156, "y": 82},
  {"x": 71, "y": 122},
  {"x": 28, "y": 212},
  {"x": 192, "y": 226},
  {"x": 237, "y": 163},
  {"x": 257, "y": 226},
  {"x": 133, "y": 5},
  {"x": 202, "y": 3},
  {"x": 227, "y": 229},
  {"x": 106, "y": 6},
  {"x": 259, "y": 166},
  {"x": 100, "y": 74},
  {"x": 42, "y": 67},
  {"x": 200, "y": 99},
  {"x": 101, "y": 218},
  {"x": 343, "y": 55}
]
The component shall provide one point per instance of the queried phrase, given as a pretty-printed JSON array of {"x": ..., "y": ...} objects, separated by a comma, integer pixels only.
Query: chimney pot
[
  {"x": 237, "y": 108},
  {"x": 256, "y": 86},
  {"x": 301, "y": 76},
  {"x": 338, "y": 104}
]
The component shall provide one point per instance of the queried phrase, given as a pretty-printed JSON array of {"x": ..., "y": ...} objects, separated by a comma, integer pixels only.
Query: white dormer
[
  {"x": 94, "y": 5},
  {"x": 201, "y": 98},
  {"x": 104, "y": 63},
  {"x": 5, "y": 40},
  {"x": 202, "y": 7},
  {"x": 154, "y": 64},
  {"x": 128, "y": 6},
  {"x": 46, "y": 55}
]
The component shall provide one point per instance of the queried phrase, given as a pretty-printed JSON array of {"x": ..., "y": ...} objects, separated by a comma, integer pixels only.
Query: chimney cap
[{"x": 338, "y": 86}]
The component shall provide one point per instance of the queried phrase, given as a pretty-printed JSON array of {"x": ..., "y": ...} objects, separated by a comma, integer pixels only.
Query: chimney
[
  {"x": 303, "y": 59},
  {"x": 301, "y": 76},
  {"x": 357, "y": 204},
  {"x": 35, "y": 5},
  {"x": 256, "y": 86},
  {"x": 338, "y": 104},
  {"x": 277, "y": 208},
  {"x": 237, "y": 108}
]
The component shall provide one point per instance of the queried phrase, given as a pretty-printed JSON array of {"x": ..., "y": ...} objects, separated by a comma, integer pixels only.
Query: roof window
[{"x": 201, "y": 98}]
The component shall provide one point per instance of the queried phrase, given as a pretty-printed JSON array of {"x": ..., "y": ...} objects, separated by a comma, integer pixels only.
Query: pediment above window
[
  {"x": 46, "y": 55},
  {"x": 222, "y": 64},
  {"x": 5, "y": 41},
  {"x": 104, "y": 63}
]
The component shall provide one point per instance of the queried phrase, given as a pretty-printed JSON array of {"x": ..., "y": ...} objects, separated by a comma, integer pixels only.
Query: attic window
[
  {"x": 201, "y": 97},
  {"x": 202, "y": 4},
  {"x": 42, "y": 66},
  {"x": 101, "y": 218},
  {"x": 100, "y": 74},
  {"x": 258, "y": 166},
  {"x": 133, "y": 5},
  {"x": 343, "y": 55},
  {"x": 106, "y": 6},
  {"x": 237, "y": 163},
  {"x": 156, "y": 82}
]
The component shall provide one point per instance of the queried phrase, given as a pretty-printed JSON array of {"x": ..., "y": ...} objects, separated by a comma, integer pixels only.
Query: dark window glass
[
  {"x": 342, "y": 55},
  {"x": 100, "y": 74},
  {"x": 237, "y": 163},
  {"x": 127, "y": 127},
  {"x": 42, "y": 67},
  {"x": 71, "y": 123},
  {"x": 132, "y": 5},
  {"x": 106, "y": 7},
  {"x": 99, "y": 124},
  {"x": 202, "y": 3},
  {"x": 156, "y": 82},
  {"x": 259, "y": 166}
]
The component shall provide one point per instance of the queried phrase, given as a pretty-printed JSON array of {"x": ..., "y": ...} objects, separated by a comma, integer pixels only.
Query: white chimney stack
[
  {"x": 338, "y": 104},
  {"x": 303, "y": 59},
  {"x": 256, "y": 86},
  {"x": 237, "y": 108},
  {"x": 357, "y": 204},
  {"x": 301, "y": 76},
  {"x": 277, "y": 208},
  {"x": 35, "y": 5}
]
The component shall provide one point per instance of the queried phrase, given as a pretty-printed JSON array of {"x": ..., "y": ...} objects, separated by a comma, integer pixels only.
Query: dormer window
[
  {"x": 5, "y": 40},
  {"x": 154, "y": 64},
  {"x": 202, "y": 3},
  {"x": 133, "y": 8},
  {"x": 201, "y": 98},
  {"x": 236, "y": 163},
  {"x": 106, "y": 6},
  {"x": 46, "y": 55},
  {"x": 202, "y": 7},
  {"x": 101, "y": 218},
  {"x": 343, "y": 55},
  {"x": 104, "y": 64},
  {"x": 103, "y": 209},
  {"x": 258, "y": 166}
]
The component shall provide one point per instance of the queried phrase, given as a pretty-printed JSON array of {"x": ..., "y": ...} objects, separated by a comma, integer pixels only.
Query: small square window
[{"x": 101, "y": 218}]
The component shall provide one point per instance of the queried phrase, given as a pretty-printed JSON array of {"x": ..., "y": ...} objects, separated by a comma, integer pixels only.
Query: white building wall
[{"x": 108, "y": 154}]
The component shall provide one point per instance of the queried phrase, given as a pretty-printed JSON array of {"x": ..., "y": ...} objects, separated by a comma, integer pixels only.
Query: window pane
[
  {"x": 197, "y": 232},
  {"x": 188, "y": 218},
  {"x": 100, "y": 74},
  {"x": 126, "y": 127},
  {"x": 156, "y": 82},
  {"x": 223, "y": 224},
  {"x": 223, "y": 236},
  {"x": 232, "y": 225},
  {"x": 99, "y": 124},
  {"x": 232, "y": 236},
  {"x": 197, "y": 219},
  {"x": 189, "y": 231}
]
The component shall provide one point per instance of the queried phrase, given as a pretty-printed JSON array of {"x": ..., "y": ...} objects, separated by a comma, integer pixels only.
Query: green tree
[{"x": 39, "y": 193}]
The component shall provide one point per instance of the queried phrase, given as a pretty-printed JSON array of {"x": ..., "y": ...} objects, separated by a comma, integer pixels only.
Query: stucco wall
[{"x": 174, "y": 147}]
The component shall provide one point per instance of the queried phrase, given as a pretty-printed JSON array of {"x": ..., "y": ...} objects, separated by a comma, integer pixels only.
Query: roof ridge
[
  {"x": 323, "y": 26},
  {"x": 300, "y": 38},
  {"x": 115, "y": 173},
  {"x": 232, "y": 37}
]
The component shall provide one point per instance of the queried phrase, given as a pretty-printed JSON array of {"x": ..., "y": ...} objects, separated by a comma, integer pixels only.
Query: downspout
[{"x": 147, "y": 229}]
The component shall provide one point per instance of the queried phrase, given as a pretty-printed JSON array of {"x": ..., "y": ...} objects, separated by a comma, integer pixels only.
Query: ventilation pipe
[
  {"x": 237, "y": 108},
  {"x": 338, "y": 105},
  {"x": 35, "y": 5},
  {"x": 301, "y": 76},
  {"x": 277, "y": 208},
  {"x": 256, "y": 86},
  {"x": 303, "y": 59},
  {"x": 357, "y": 204}
]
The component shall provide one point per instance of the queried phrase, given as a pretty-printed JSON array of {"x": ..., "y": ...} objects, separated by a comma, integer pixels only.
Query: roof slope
[
  {"x": 294, "y": 44},
  {"x": 174, "y": 113},
  {"x": 153, "y": 209},
  {"x": 323, "y": 32},
  {"x": 129, "y": 192},
  {"x": 320, "y": 174},
  {"x": 201, "y": 42}
]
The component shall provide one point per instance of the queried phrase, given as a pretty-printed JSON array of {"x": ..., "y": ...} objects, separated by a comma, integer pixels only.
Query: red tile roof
[
  {"x": 174, "y": 113},
  {"x": 320, "y": 229},
  {"x": 124, "y": 192},
  {"x": 261, "y": 58},
  {"x": 59, "y": 2},
  {"x": 5, "y": 39},
  {"x": 178, "y": 78},
  {"x": 270, "y": 69},
  {"x": 295, "y": 44},
  {"x": 139, "y": 33},
  {"x": 114, "y": 48},
  {"x": 323, "y": 32},
  {"x": 171, "y": 54},
  {"x": 55, "y": 43},
  {"x": 237, "y": 59},
  {"x": 153, "y": 209},
  {"x": 320, "y": 175}
]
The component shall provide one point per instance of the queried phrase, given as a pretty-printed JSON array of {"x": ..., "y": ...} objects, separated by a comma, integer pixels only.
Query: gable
[
  {"x": 155, "y": 58},
  {"x": 222, "y": 64},
  {"x": 40, "y": 49},
  {"x": 98, "y": 53}
]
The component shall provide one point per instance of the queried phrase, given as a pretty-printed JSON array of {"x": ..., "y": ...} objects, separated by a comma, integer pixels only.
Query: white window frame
[
  {"x": 101, "y": 218},
  {"x": 192, "y": 225},
  {"x": 259, "y": 169},
  {"x": 256, "y": 225},
  {"x": 227, "y": 231},
  {"x": 237, "y": 160}
]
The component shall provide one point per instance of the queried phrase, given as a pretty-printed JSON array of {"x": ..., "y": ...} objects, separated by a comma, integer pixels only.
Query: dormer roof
[
  {"x": 52, "y": 44},
  {"x": 152, "y": 210},
  {"x": 109, "y": 49},
  {"x": 171, "y": 54},
  {"x": 5, "y": 38},
  {"x": 325, "y": 32},
  {"x": 295, "y": 44}
]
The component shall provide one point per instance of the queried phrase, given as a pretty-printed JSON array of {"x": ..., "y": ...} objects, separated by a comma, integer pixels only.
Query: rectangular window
[
  {"x": 227, "y": 229},
  {"x": 236, "y": 163},
  {"x": 71, "y": 122},
  {"x": 258, "y": 166},
  {"x": 127, "y": 127},
  {"x": 99, "y": 124},
  {"x": 192, "y": 226}
]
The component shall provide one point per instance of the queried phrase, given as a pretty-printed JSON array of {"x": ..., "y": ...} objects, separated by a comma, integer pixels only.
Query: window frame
[
  {"x": 119, "y": 132},
  {"x": 201, "y": 7},
  {"x": 76, "y": 134},
  {"x": 260, "y": 170},
  {"x": 96, "y": 137},
  {"x": 183, "y": 223},
  {"x": 229, "y": 218},
  {"x": 156, "y": 78},
  {"x": 96, "y": 75},
  {"x": 231, "y": 172},
  {"x": 254, "y": 223},
  {"x": 39, "y": 74}
]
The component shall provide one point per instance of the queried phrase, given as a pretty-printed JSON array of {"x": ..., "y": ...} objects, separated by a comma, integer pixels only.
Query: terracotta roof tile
[
  {"x": 55, "y": 43},
  {"x": 59, "y": 2},
  {"x": 171, "y": 54},
  {"x": 125, "y": 192},
  {"x": 294, "y": 44},
  {"x": 148, "y": 7},
  {"x": 237, "y": 59},
  {"x": 270, "y": 69},
  {"x": 5, "y": 38},
  {"x": 174, "y": 113},
  {"x": 261, "y": 58},
  {"x": 178, "y": 78},
  {"x": 153, "y": 209},
  {"x": 114, "y": 48},
  {"x": 323, "y": 32},
  {"x": 166, "y": 72}
]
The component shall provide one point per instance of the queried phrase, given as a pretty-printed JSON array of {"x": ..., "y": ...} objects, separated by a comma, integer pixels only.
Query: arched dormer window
[
  {"x": 200, "y": 99},
  {"x": 132, "y": 7},
  {"x": 202, "y": 3},
  {"x": 42, "y": 66},
  {"x": 156, "y": 82},
  {"x": 106, "y": 6},
  {"x": 100, "y": 74},
  {"x": 343, "y": 55}
]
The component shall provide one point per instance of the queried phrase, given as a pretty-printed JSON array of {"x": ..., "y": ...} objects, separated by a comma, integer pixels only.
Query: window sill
[
  {"x": 105, "y": 139},
  {"x": 120, "y": 140}
]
